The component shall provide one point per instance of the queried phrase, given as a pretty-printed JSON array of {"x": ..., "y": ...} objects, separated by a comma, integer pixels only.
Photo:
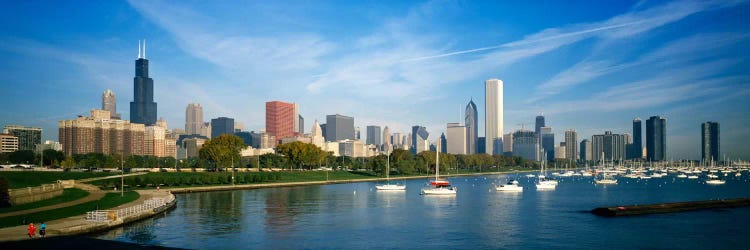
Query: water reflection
[{"x": 335, "y": 216}]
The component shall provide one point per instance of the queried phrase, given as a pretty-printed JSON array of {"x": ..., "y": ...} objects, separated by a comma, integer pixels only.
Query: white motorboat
[
  {"x": 511, "y": 186},
  {"x": 692, "y": 177},
  {"x": 530, "y": 175},
  {"x": 545, "y": 186},
  {"x": 439, "y": 187},
  {"x": 715, "y": 181},
  {"x": 388, "y": 185},
  {"x": 682, "y": 176}
]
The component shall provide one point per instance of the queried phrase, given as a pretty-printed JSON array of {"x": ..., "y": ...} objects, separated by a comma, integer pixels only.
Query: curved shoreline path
[
  {"x": 94, "y": 194},
  {"x": 19, "y": 232}
]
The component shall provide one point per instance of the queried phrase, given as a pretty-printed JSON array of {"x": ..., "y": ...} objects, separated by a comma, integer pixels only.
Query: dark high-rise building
[
  {"x": 339, "y": 127},
  {"x": 301, "y": 124},
  {"x": 443, "y": 144},
  {"x": 635, "y": 150},
  {"x": 247, "y": 137},
  {"x": 656, "y": 138},
  {"x": 480, "y": 145},
  {"x": 221, "y": 125},
  {"x": 323, "y": 131},
  {"x": 374, "y": 136},
  {"x": 472, "y": 130},
  {"x": 143, "y": 107},
  {"x": 586, "y": 150},
  {"x": 538, "y": 125},
  {"x": 548, "y": 142},
  {"x": 28, "y": 137},
  {"x": 610, "y": 146},
  {"x": 710, "y": 143}
]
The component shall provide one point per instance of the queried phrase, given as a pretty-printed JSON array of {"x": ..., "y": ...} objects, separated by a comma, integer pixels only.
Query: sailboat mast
[{"x": 437, "y": 161}]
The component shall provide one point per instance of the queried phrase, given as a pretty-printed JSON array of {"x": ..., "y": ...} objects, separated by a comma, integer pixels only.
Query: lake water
[{"x": 356, "y": 216}]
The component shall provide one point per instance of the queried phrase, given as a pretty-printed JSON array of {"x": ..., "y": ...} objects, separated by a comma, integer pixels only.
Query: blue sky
[{"x": 587, "y": 65}]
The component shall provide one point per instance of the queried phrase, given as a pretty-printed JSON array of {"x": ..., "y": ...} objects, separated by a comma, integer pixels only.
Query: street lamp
[{"x": 122, "y": 175}]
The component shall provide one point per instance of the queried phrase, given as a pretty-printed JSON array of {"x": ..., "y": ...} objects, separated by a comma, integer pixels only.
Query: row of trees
[
  {"x": 224, "y": 152},
  {"x": 51, "y": 157}
]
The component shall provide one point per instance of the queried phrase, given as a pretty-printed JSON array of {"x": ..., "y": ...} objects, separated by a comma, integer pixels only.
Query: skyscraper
[
  {"x": 143, "y": 107},
  {"x": 339, "y": 127},
  {"x": 282, "y": 119},
  {"x": 538, "y": 125},
  {"x": 443, "y": 144},
  {"x": 28, "y": 137},
  {"x": 373, "y": 135},
  {"x": 586, "y": 150},
  {"x": 547, "y": 139},
  {"x": 419, "y": 141},
  {"x": 635, "y": 150},
  {"x": 109, "y": 102},
  {"x": 493, "y": 116},
  {"x": 507, "y": 147},
  {"x": 612, "y": 146},
  {"x": 710, "y": 141},
  {"x": 571, "y": 145},
  {"x": 301, "y": 124},
  {"x": 387, "y": 138},
  {"x": 526, "y": 145},
  {"x": 193, "y": 118},
  {"x": 456, "y": 139},
  {"x": 472, "y": 130},
  {"x": 656, "y": 138},
  {"x": 221, "y": 125}
]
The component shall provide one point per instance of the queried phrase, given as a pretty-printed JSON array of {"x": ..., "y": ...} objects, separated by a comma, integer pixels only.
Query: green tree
[
  {"x": 22, "y": 157},
  {"x": 302, "y": 154},
  {"x": 68, "y": 163},
  {"x": 222, "y": 150}
]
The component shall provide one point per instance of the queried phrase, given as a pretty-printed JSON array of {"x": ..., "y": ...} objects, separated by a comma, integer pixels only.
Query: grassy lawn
[
  {"x": 20, "y": 179},
  {"x": 69, "y": 194},
  {"x": 110, "y": 200}
]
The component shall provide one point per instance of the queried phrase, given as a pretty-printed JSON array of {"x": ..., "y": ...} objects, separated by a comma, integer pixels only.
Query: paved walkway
[
  {"x": 19, "y": 232},
  {"x": 110, "y": 177},
  {"x": 94, "y": 194}
]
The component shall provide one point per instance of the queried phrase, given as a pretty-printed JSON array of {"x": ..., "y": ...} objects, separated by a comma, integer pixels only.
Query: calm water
[{"x": 356, "y": 216}]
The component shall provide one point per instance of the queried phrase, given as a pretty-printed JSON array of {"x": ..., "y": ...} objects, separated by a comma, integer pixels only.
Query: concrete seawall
[{"x": 92, "y": 227}]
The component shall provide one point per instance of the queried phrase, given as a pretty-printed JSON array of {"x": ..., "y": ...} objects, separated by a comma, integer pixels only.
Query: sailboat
[
  {"x": 604, "y": 179},
  {"x": 543, "y": 183},
  {"x": 388, "y": 185},
  {"x": 438, "y": 186}
]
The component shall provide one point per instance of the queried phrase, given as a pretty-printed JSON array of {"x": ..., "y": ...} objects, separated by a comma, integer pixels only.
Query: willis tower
[{"x": 143, "y": 107}]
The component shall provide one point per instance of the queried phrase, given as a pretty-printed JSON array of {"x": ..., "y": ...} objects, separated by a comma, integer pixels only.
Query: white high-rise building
[
  {"x": 456, "y": 137},
  {"x": 493, "y": 116},
  {"x": 193, "y": 119}
]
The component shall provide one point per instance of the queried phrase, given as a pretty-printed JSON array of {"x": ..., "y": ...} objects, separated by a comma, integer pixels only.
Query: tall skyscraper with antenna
[{"x": 143, "y": 107}]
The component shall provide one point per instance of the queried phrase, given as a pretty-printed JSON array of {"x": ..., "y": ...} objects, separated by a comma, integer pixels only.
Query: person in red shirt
[{"x": 32, "y": 230}]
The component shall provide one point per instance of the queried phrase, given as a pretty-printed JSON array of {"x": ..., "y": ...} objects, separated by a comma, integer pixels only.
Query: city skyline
[{"x": 695, "y": 75}]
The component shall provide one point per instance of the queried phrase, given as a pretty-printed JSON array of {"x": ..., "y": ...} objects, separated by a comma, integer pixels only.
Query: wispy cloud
[{"x": 671, "y": 86}]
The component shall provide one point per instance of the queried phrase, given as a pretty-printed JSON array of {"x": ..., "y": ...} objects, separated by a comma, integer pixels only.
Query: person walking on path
[
  {"x": 43, "y": 230},
  {"x": 32, "y": 230}
]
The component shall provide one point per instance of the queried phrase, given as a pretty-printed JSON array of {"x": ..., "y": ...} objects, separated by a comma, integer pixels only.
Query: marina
[{"x": 479, "y": 216}]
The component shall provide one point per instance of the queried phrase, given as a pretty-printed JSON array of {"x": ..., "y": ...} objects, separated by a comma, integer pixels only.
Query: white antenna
[
  {"x": 139, "y": 49},
  {"x": 144, "y": 48}
]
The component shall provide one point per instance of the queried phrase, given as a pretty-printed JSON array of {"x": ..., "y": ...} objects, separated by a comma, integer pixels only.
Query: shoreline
[{"x": 312, "y": 183}]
